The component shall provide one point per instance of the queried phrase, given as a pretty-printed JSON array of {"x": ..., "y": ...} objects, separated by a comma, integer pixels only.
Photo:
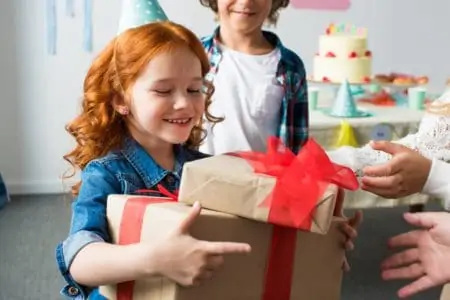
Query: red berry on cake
[
  {"x": 325, "y": 79},
  {"x": 328, "y": 31},
  {"x": 330, "y": 54},
  {"x": 366, "y": 79},
  {"x": 368, "y": 53},
  {"x": 352, "y": 54}
]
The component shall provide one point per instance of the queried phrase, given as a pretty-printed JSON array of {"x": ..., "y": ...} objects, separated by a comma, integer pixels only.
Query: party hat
[
  {"x": 345, "y": 105},
  {"x": 137, "y": 13},
  {"x": 357, "y": 90},
  {"x": 346, "y": 136}
]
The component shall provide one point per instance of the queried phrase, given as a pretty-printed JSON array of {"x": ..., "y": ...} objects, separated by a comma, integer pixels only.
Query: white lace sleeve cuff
[
  {"x": 438, "y": 182},
  {"x": 432, "y": 140}
]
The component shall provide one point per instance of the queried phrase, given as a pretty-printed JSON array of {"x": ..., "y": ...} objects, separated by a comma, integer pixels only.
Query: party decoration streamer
[
  {"x": 51, "y": 27},
  {"x": 321, "y": 4},
  {"x": 87, "y": 38},
  {"x": 70, "y": 9}
]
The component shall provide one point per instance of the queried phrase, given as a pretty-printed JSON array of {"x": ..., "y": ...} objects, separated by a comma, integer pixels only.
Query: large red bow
[{"x": 301, "y": 179}]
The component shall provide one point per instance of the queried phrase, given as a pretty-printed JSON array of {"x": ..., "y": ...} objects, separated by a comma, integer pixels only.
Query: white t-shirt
[{"x": 248, "y": 97}]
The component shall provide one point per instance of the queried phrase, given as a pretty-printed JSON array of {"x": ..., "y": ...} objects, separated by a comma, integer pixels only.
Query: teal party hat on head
[
  {"x": 345, "y": 105},
  {"x": 136, "y": 13}
]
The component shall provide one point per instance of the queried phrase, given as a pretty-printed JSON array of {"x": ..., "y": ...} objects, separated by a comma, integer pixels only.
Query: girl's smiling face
[{"x": 167, "y": 99}]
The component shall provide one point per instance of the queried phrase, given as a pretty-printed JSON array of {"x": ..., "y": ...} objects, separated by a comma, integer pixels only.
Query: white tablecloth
[{"x": 324, "y": 130}]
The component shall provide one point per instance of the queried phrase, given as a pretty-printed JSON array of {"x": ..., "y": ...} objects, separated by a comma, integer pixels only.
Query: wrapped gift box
[
  {"x": 277, "y": 187},
  {"x": 285, "y": 263},
  {"x": 445, "y": 295}
]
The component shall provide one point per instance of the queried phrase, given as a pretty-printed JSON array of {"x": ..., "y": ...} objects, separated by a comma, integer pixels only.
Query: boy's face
[{"x": 243, "y": 16}]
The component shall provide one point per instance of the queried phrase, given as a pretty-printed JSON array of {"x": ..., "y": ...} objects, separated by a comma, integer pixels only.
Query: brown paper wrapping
[
  {"x": 318, "y": 261},
  {"x": 445, "y": 295},
  {"x": 228, "y": 184}
]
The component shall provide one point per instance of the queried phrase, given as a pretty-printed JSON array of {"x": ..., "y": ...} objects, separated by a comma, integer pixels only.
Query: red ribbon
[
  {"x": 162, "y": 190},
  {"x": 301, "y": 180},
  {"x": 131, "y": 228},
  {"x": 280, "y": 262}
]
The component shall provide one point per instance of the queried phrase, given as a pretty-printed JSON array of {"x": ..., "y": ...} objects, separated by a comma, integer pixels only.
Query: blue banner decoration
[
  {"x": 87, "y": 38},
  {"x": 70, "y": 9},
  {"x": 51, "y": 27}
]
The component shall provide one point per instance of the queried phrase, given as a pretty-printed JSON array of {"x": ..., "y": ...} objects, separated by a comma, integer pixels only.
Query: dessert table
[{"x": 324, "y": 129}]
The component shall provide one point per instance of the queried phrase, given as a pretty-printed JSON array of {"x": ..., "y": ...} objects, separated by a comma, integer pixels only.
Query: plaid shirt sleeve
[
  {"x": 294, "y": 123},
  {"x": 299, "y": 111}
]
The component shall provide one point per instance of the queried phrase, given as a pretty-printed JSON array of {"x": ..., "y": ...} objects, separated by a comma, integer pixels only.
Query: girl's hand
[
  {"x": 405, "y": 174},
  {"x": 189, "y": 261},
  {"x": 348, "y": 228}
]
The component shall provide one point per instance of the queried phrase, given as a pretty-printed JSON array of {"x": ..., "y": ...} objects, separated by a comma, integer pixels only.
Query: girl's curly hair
[
  {"x": 99, "y": 129},
  {"x": 272, "y": 19}
]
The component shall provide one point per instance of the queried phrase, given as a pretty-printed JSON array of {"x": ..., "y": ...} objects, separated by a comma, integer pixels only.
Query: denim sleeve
[{"x": 89, "y": 223}]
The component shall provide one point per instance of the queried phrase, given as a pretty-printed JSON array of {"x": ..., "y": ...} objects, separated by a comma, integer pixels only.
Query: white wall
[{"x": 40, "y": 93}]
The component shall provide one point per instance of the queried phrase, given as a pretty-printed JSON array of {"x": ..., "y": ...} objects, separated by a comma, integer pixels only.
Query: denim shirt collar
[{"x": 147, "y": 168}]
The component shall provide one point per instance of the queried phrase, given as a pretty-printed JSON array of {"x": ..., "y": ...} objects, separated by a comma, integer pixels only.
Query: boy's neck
[{"x": 253, "y": 43}]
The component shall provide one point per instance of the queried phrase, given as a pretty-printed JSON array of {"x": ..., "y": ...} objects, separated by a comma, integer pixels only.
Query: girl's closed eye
[
  {"x": 162, "y": 92},
  {"x": 194, "y": 91}
]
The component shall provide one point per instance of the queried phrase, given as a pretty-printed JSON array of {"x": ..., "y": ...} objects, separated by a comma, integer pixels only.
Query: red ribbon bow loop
[
  {"x": 162, "y": 190},
  {"x": 301, "y": 179}
]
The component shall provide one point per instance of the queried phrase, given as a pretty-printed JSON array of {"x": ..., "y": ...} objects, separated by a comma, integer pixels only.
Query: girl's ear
[{"x": 120, "y": 106}]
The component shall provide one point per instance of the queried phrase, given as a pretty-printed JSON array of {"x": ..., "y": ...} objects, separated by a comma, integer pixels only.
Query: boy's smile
[{"x": 244, "y": 15}]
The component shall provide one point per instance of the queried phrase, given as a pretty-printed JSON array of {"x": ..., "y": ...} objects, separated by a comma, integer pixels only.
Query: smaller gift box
[{"x": 277, "y": 187}]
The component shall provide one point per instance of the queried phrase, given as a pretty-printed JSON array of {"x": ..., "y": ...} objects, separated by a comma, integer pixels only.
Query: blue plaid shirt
[{"x": 294, "y": 118}]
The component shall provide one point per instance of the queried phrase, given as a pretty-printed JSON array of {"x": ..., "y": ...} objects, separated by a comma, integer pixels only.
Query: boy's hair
[{"x": 272, "y": 19}]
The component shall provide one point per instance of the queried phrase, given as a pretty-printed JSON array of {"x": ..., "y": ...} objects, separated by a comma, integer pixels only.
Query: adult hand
[
  {"x": 405, "y": 174},
  {"x": 428, "y": 258}
]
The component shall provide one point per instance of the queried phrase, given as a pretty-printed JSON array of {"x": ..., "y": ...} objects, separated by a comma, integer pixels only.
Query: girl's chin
[{"x": 179, "y": 137}]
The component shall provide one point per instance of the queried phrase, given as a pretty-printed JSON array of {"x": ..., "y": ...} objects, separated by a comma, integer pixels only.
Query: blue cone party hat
[
  {"x": 345, "y": 106},
  {"x": 137, "y": 13}
]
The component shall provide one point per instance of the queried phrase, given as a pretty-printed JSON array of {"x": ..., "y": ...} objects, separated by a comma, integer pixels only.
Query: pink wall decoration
[{"x": 321, "y": 4}]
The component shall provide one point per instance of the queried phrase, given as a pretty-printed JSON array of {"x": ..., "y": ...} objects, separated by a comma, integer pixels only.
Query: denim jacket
[{"x": 120, "y": 172}]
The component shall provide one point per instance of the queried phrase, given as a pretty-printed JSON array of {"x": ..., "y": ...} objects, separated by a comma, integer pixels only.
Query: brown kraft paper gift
[
  {"x": 229, "y": 184},
  {"x": 276, "y": 187},
  {"x": 263, "y": 274},
  {"x": 445, "y": 295}
]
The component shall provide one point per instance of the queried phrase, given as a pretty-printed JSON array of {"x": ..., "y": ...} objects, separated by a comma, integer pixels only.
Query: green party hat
[
  {"x": 345, "y": 105},
  {"x": 136, "y": 13}
]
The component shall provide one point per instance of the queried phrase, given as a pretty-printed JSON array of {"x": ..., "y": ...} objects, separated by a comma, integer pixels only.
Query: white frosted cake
[{"x": 343, "y": 54}]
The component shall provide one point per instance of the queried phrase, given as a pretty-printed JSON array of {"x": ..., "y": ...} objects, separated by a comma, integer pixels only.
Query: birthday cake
[{"x": 343, "y": 55}]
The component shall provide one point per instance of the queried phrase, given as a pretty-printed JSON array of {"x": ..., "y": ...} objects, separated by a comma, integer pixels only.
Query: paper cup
[
  {"x": 313, "y": 98},
  {"x": 416, "y": 97}
]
